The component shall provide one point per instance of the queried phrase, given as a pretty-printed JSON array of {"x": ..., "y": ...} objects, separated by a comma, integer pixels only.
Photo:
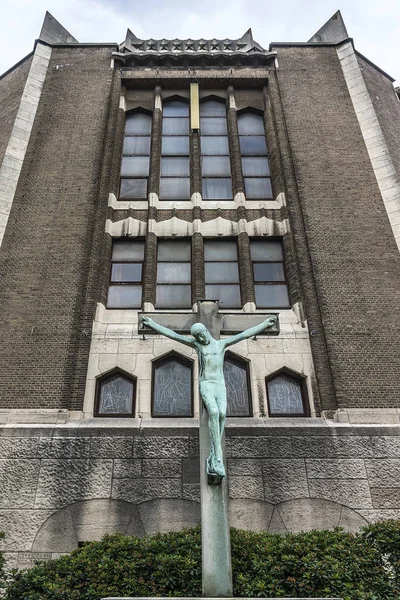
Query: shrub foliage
[
  {"x": 313, "y": 564},
  {"x": 2, "y": 574}
]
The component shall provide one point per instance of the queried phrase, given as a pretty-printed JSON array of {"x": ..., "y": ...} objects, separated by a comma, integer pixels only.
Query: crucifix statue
[
  {"x": 212, "y": 386},
  {"x": 215, "y": 536}
]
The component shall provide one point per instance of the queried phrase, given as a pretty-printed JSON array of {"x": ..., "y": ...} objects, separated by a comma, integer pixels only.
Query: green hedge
[
  {"x": 2, "y": 574},
  {"x": 316, "y": 563}
]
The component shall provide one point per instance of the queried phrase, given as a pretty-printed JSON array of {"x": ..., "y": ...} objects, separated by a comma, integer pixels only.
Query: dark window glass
[
  {"x": 135, "y": 160},
  {"x": 135, "y": 166},
  {"x": 125, "y": 289},
  {"x": 258, "y": 187},
  {"x": 174, "y": 188},
  {"x": 175, "y": 168},
  {"x": 126, "y": 272},
  {"x": 173, "y": 274},
  {"x": 217, "y": 188},
  {"x": 237, "y": 388},
  {"x": 250, "y": 124},
  {"x": 138, "y": 124},
  {"x": 216, "y": 166},
  {"x": 285, "y": 396},
  {"x": 133, "y": 188},
  {"x": 115, "y": 396},
  {"x": 212, "y": 108},
  {"x": 222, "y": 273},
  {"x": 172, "y": 388},
  {"x": 253, "y": 145},
  {"x": 213, "y": 126},
  {"x": 214, "y": 145},
  {"x": 255, "y": 165},
  {"x": 270, "y": 288}
]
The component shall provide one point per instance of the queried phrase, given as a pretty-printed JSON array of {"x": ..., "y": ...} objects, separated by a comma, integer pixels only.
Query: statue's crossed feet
[{"x": 215, "y": 470}]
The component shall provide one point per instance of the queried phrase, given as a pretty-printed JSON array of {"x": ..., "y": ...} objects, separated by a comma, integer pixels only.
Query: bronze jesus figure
[{"x": 212, "y": 387}]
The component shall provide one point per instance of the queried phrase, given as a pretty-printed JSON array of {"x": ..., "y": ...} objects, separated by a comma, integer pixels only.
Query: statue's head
[{"x": 201, "y": 333}]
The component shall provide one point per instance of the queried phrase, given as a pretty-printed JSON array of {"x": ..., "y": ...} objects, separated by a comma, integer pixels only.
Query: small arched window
[
  {"x": 216, "y": 166},
  {"x": 136, "y": 156},
  {"x": 115, "y": 395},
  {"x": 237, "y": 381},
  {"x": 287, "y": 394},
  {"x": 175, "y": 163},
  {"x": 172, "y": 394},
  {"x": 255, "y": 165}
]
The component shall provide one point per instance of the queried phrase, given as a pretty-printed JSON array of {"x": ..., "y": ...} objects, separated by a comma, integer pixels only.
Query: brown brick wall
[
  {"x": 344, "y": 232},
  {"x": 11, "y": 88},
  {"x": 51, "y": 249},
  {"x": 387, "y": 108}
]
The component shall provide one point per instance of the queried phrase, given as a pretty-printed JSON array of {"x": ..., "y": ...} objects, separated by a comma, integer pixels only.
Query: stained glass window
[
  {"x": 125, "y": 289},
  {"x": 237, "y": 387},
  {"x": 172, "y": 388},
  {"x": 270, "y": 286},
  {"x": 135, "y": 159},
  {"x": 173, "y": 274},
  {"x": 115, "y": 395},
  {"x": 222, "y": 272},
  {"x": 286, "y": 395}
]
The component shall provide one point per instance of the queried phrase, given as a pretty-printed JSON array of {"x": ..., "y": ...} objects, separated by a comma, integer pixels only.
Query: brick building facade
[{"x": 144, "y": 177}]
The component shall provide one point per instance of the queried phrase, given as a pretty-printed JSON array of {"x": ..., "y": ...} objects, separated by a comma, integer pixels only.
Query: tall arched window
[
  {"x": 136, "y": 156},
  {"x": 237, "y": 381},
  {"x": 216, "y": 167},
  {"x": 175, "y": 161},
  {"x": 287, "y": 394},
  {"x": 172, "y": 386},
  {"x": 115, "y": 395},
  {"x": 253, "y": 149}
]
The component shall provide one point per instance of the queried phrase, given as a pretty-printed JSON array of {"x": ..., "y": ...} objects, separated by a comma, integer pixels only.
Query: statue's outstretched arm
[
  {"x": 168, "y": 332},
  {"x": 251, "y": 332}
]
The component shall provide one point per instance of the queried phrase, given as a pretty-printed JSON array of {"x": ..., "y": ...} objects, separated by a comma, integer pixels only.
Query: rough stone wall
[
  {"x": 11, "y": 87},
  {"x": 387, "y": 107},
  {"x": 354, "y": 258},
  {"x": 47, "y": 294},
  {"x": 62, "y": 485}
]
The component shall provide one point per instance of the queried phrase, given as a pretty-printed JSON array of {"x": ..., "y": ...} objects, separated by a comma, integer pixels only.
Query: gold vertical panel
[{"x": 194, "y": 106}]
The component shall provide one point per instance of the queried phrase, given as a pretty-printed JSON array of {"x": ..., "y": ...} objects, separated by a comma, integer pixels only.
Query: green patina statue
[{"x": 211, "y": 353}]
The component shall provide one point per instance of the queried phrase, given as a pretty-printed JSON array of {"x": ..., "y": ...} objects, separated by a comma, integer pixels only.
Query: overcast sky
[{"x": 374, "y": 25}]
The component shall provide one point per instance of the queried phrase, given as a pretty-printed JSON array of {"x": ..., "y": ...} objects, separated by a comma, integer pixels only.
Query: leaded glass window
[
  {"x": 175, "y": 161},
  {"x": 125, "y": 289},
  {"x": 136, "y": 156},
  {"x": 173, "y": 274},
  {"x": 255, "y": 165},
  {"x": 172, "y": 387},
  {"x": 115, "y": 395},
  {"x": 287, "y": 395},
  {"x": 216, "y": 166},
  {"x": 222, "y": 272},
  {"x": 236, "y": 373},
  {"x": 270, "y": 285}
]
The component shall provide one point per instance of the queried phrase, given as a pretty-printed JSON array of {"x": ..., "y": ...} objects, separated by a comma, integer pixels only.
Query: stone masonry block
[
  {"x": 386, "y": 446},
  {"x": 18, "y": 447},
  {"x": 251, "y": 515},
  {"x": 169, "y": 515},
  {"x": 305, "y": 514},
  {"x": 343, "y": 491},
  {"x": 154, "y": 468},
  {"x": 63, "y": 447},
  {"x": 260, "y": 446},
  {"x": 284, "y": 479},
  {"x": 337, "y": 447},
  {"x": 385, "y": 497},
  {"x": 21, "y": 527},
  {"x": 127, "y": 468},
  {"x": 140, "y": 490},
  {"x": 160, "y": 447},
  {"x": 351, "y": 521},
  {"x": 246, "y": 487},
  {"x": 18, "y": 481},
  {"x": 244, "y": 466},
  {"x": 111, "y": 447},
  {"x": 383, "y": 472},
  {"x": 136, "y": 346},
  {"x": 335, "y": 468},
  {"x": 64, "y": 481},
  {"x": 191, "y": 491}
]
